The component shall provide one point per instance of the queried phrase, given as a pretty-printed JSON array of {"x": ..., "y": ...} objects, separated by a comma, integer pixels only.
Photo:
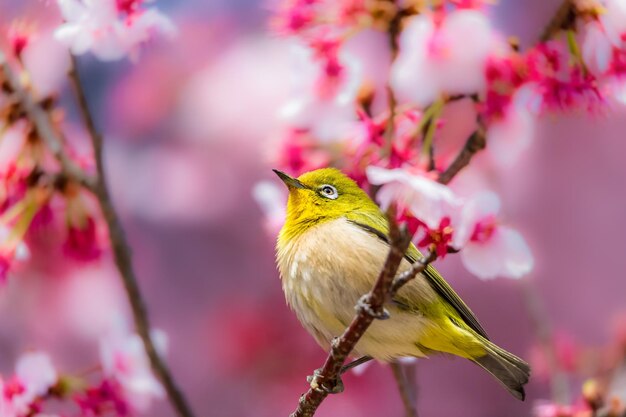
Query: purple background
[{"x": 206, "y": 264}]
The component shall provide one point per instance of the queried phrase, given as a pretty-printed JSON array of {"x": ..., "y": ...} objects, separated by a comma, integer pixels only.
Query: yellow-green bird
[{"x": 329, "y": 253}]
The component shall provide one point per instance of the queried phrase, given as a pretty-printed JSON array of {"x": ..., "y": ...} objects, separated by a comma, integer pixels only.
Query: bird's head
[{"x": 321, "y": 195}]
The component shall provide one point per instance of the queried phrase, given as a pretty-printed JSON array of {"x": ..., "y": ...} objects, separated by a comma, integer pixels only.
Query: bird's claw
[
  {"x": 320, "y": 382},
  {"x": 365, "y": 305}
]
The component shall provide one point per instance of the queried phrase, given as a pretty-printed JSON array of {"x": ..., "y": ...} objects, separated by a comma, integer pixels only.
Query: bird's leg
[
  {"x": 321, "y": 382},
  {"x": 355, "y": 363}
]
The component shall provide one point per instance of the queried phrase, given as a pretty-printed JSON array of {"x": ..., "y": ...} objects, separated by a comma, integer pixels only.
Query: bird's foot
[
  {"x": 364, "y": 304},
  {"x": 320, "y": 382}
]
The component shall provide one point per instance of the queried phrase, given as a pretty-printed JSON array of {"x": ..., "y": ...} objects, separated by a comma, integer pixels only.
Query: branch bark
[
  {"x": 564, "y": 17},
  {"x": 475, "y": 143},
  {"x": 122, "y": 255},
  {"x": 44, "y": 126}
]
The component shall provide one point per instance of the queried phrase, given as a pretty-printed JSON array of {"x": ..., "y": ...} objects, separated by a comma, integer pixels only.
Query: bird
[{"x": 329, "y": 253}]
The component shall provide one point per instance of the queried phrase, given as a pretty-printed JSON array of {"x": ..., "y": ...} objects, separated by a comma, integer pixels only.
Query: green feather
[{"x": 376, "y": 223}]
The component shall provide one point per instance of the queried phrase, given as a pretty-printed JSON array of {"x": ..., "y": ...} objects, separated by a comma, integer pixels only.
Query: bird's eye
[{"x": 329, "y": 191}]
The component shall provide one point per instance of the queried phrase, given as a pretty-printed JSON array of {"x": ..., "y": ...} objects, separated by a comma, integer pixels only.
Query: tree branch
[
  {"x": 44, "y": 126},
  {"x": 122, "y": 255},
  {"x": 475, "y": 143},
  {"x": 564, "y": 18}
]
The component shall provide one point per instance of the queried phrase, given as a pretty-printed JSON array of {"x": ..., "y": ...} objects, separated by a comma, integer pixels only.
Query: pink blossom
[
  {"x": 19, "y": 36},
  {"x": 445, "y": 58},
  {"x": 510, "y": 135},
  {"x": 47, "y": 62},
  {"x": 437, "y": 239},
  {"x": 11, "y": 250},
  {"x": 561, "y": 85},
  {"x": 271, "y": 198},
  {"x": 124, "y": 360},
  {"x": 596, "y": 47},
  {"x": 34, "y": 376},
  {"x": 299, "y": 152},
  {"x": 294, "y": 16},
  {"x": 490, "y": 249},
  {"x": 415, "y": 192},
  {"x": 548, "y": 409},
  {"x": 325, "y": 85},
  {"x": 110, "y": 29},
  {"x": 98, "y": 400},
  {"x": 613, "y": 21},
  {"x": 82, "y": 241}
]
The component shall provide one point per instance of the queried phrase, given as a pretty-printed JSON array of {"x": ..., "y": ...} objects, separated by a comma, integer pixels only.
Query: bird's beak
[{"x": 289, "y": 181}]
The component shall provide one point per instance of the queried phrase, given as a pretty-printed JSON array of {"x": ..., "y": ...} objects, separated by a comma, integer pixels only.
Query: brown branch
[
  {"x": 564, "y": 18},
  {"x": 417, "y": 268},
  {"x": 475, "y": 143},
  {"x": 122, "y": 255},
  {"x": 405, "y": 387},
  {"x": 44, "y": 126}
]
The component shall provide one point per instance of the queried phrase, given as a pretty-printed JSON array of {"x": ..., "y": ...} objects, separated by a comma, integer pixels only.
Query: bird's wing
[{"x": 376, "y": 224}]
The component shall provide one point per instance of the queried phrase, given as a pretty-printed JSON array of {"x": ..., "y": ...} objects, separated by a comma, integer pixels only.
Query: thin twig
[
  {"x": 417, "y": 268},
  {"x": 475, "y": 143},
  {"x": 122, "y": 255},
  {"x": 405, "y": 388},
  {"x": 44, "y": 126},
  {"x": 564, "y": 18}
]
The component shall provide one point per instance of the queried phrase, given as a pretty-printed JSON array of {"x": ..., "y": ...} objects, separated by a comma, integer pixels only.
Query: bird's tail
[{"x": 511, "y": 371}]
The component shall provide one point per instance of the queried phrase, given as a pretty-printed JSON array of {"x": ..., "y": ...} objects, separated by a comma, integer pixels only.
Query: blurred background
[{"x": 189, "y": 131}]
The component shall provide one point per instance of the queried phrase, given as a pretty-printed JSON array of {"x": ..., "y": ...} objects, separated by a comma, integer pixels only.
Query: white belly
[{"x": 324, "y": 273}]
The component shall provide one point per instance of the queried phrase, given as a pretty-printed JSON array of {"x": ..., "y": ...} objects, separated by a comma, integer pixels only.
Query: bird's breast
[{"x": 326, "y": 269}]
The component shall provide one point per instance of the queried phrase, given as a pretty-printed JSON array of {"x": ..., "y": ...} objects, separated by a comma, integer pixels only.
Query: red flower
[{"x": 82, "y": 241}]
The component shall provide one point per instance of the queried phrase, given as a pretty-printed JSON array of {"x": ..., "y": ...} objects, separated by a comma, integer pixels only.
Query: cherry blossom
[
  {"x": 548, "y": 409},
  {"x": 110, "y": 29},
  {"x": 19, "y": 35},
  {"x": 34, "y": 376},
  {"x": 271, "y": 198},
  {"x": 298, "y": 152},
  {"x": 449, "y": 57},
  {"x": 325, "y": 85},
  {"x": 82, "y": 241},
  {"x": 124, "y": 360},
  {"x": 490, "y": 249},
  {"x": 416, "y": 192},
  {"x": 510, "y": 135}
]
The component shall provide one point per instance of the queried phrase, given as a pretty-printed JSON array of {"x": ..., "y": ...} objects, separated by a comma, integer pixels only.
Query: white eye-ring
[{"x": 329, "y": 191}]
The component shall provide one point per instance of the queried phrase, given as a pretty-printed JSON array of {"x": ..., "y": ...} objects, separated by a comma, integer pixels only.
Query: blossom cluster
[
  {"x": 49, "y": 211},
  {"x": 110, "y": 29},
  {"x": 38, "y": 201},
  {"x": 390, "y": 128},
  {"x": 123, "y": 386}
]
